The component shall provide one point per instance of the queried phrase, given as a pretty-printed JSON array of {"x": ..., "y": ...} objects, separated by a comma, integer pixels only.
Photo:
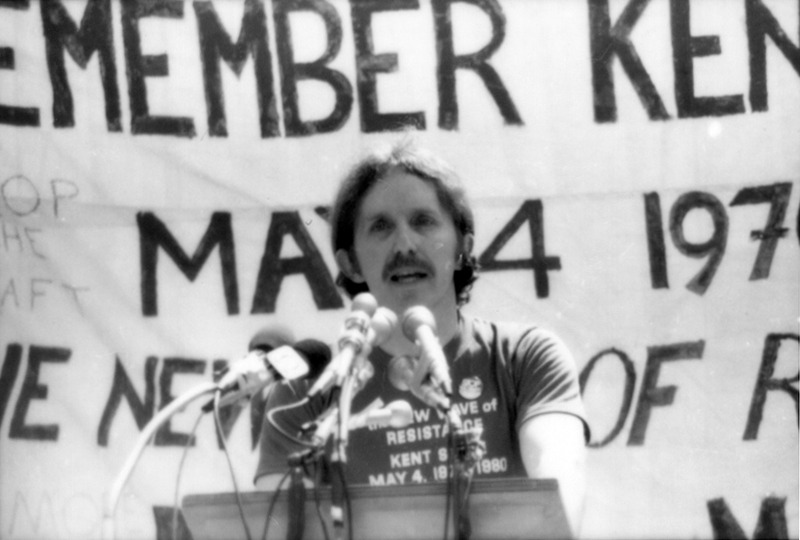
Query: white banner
[{"x": 165, "y": 173}]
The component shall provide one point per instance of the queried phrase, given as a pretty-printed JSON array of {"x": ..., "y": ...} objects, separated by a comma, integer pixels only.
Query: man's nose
[{"x": 405, "y": 240}]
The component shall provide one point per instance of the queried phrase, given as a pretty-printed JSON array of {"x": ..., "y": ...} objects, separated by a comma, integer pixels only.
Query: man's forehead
[{"x": 399, "y": 193}]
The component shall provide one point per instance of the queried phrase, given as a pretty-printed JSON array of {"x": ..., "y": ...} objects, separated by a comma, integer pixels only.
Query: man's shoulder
[
  {"x": 515, "y": 339},
  {"x": 514, "y": 331}
]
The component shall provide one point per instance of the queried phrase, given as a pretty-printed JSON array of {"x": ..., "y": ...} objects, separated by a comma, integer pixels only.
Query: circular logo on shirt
[{"x": 470, "y": 388}]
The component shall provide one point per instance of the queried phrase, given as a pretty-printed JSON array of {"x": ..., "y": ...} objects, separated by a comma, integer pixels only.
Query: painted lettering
[
  {"x": 32, "y": 389},
  {"x": 467, "y": 408},
  {"x": 449, "y": 62},
  {"x": 310, "y": 264},
  {"x": 388, "y": 479},
  {"x": 318, "y": 70},
  {"x": 8, "y": 375},
  {"x": 766, "y": 383},
  {"x": 22, "y": 237},
  {"x": 95, "y": 35},
  {"x": 760, "y": 23},
  {"x": 541, "y": 263},
  {"x": 651, "y": 394},
  {"x": 777, "y": 195},
  {"x": 140, "y": 66},
  {"x": 421, "y": 415},
  {"x": 153, "y": 233},
  {"x": 410, "y": 459},
  {"x": 685, "y": 47},
  {"x": 164, "y": 435},
  {"x": 10, "y": 114},
  {"x": 216, "y": 45},
  {"x": 368, "y": 64},
  {"x": 771, "y": 520},
  {"x": 627, "y": 398},
  {"x": 122, "y": 387},
  {"x": 713, "y": 248},
  {"x": 410, "y": 435},
  {"x": 608, "y": 42}
]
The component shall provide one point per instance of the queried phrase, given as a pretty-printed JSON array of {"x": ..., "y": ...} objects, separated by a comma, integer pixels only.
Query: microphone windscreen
[
  {"x": 383, "y": 323},
  {"x": 417, "y": 316},
  {"x": 364, "y": 302},
  {"x": 270, "y": 338},
  {"x": 317, "y": 354},
  {"x": 402, "y": 414}
]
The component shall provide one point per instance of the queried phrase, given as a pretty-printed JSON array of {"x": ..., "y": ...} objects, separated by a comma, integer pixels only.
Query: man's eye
[
  {"x": 379, "y": 226},
  {"x": 424, "y": 220}
]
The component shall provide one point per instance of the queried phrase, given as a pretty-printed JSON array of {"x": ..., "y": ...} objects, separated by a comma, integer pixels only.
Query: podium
[{"x": 508, "y": 508}]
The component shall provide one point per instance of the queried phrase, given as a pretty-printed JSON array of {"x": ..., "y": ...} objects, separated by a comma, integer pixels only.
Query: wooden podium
[{"x": 513, "y": 508}]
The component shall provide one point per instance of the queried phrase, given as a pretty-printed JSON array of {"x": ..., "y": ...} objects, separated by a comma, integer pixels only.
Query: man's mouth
[{"x": 407, "y": 276}]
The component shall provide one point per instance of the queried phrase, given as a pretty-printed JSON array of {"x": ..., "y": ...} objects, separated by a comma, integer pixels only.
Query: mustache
[{"x": 405, "y": 260}]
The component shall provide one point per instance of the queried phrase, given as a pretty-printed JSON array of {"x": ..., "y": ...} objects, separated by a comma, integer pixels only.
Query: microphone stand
[
  {"x": 360, "y": 371},
  {"x": 297, "y": 463},
  {"x": 339, "y": 457},
  {"x": 469, "y": 448},
  {"x": 332, "y": 423},
  {"x": 297, "y": 497}
]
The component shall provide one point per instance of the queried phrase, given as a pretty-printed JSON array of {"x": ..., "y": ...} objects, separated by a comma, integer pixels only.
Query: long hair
[{"x": 422, "y": 164}]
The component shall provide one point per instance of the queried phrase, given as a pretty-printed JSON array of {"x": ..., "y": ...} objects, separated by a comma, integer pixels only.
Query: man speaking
[{"x": 403, "y": 231}]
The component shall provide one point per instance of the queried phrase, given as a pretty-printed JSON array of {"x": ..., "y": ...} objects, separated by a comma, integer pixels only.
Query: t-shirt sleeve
[
  {"x": 282, "y": 423},
  {"x": 547, "y": 378}
]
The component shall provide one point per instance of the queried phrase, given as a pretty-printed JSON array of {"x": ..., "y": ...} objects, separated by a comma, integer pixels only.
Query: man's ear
[
  {"x": 467, "y": 243},
  {"x": 348, "y": 267}
]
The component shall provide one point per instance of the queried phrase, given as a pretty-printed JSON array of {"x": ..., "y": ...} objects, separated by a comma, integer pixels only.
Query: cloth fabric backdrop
[{"x": 165, "y": 171}]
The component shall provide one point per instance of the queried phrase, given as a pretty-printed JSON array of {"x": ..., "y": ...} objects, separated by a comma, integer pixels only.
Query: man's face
[{"x": 406, "y": 244}]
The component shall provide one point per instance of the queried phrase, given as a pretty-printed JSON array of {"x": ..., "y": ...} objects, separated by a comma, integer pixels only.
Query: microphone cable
[
  {"x": 271, "y": 418},
  {"x": 465, "y": 449},
  {"x": 274, "y": 423},
  {"x": 338, "y": 475},
  {"x": 464, "y": 487},
  {"x": 184, "y": 454},
  {"x": 336, "y": 468},
  {"x": 220, "y": 432},
  {"x": 450, "y": 469},
  {"x": 346, "y": 490},
  {"x": 272, "y": 502},
  {"x": 318, "y": 500}
]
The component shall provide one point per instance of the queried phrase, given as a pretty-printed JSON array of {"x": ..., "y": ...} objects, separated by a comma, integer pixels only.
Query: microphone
[
  {"x": 353, "y": 339},
  {"x": 419, "y": 326},
  {"x": 316, "y": 353},
  {"x": 382, "y": 325},
  {"x": 265, "y": 340},
  {"x": 258, "y": 369},
  {"x": 397, "y": 414},
  {"x": 270, "y": 338}
]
